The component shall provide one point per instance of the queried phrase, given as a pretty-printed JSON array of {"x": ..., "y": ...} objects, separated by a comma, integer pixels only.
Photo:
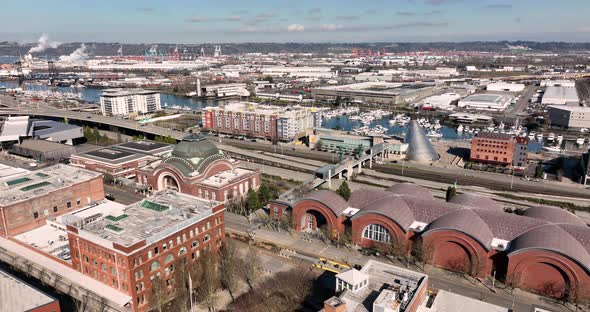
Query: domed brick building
[
  {"x": 546, "y": 250},
  {"x": 197, "y": 167}
]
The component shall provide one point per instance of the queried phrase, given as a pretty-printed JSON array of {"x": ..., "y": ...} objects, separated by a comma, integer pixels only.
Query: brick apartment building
[
  {"x": 28, "y": 200},
  {"x": 254, "y": 120},
  {"x": 197, "y": 167},
  {"x": 499, "y": 149},
  {"x": 145, "y": 242}
]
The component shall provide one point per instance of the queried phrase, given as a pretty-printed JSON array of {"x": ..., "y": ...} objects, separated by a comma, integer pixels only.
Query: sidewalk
[{"x": 439, "y": 278}]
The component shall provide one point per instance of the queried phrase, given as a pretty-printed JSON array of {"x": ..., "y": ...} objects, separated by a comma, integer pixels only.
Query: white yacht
[{"x": 551, "y": 137}]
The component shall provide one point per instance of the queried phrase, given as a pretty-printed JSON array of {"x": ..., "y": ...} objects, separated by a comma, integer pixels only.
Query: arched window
[
  {"x": 169, "y": 258},
  {"x": 155, "y": 265},
  {"x": 195, "y": 244},
  {"x": 182, "y": 251},
  {"x": 377, "y": 232},
  {"x": 206, "y": 238}
]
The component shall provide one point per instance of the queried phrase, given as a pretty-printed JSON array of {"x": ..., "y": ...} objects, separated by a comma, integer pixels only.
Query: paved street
[{"x": 439, "y": 279}]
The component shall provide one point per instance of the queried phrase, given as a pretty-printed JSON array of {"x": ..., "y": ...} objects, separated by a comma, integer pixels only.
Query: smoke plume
[
  {"x": 43, "y": 44},
  {"x": 79, "y": 54}
]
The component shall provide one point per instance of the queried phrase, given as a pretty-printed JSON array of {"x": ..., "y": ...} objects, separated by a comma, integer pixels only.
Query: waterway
[
  {"x": 449, "y": 134},
  {"x": 93, "y": 95}
]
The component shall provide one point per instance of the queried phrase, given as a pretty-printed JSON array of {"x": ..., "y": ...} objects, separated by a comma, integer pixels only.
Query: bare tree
[
  {"x": 208, "y": 283},
  {"x": 229, "y": 272},
  {"x": 181, "y": 285},
  {"x": 250, "y": 269},
  {"x": 159, "y": 294}
]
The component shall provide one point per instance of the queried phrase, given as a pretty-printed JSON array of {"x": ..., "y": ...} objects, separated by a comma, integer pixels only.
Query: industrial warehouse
[
  {"x": 377, "y": 92},
  {"x": 544, "y": 246}
]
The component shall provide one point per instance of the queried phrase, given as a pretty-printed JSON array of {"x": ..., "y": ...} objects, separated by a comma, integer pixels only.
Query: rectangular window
[
  {"x": 35, "y": 215},
  {"x": 149, "y": 254},
  {"x": 69, "y": 204},
  {"x": 156, "y": 251},
  {"x": 54, "y": 208}
]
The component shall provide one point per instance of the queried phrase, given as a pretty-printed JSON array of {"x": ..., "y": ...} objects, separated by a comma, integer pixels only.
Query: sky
[{"x": 225, "y": 21}]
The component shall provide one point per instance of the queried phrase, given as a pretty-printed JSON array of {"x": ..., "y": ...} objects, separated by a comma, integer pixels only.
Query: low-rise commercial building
[
  {"x": 374, "y": 92},
  {"x": 223, "y": 90},
  {"x": 125, "y": 102},
  {"x": 17, "y": 128},
  {"x": 382, "y": 286},
  {"x": 486, "y": 101},
  {"x": 566, "y": 116},
  {"x": 500, "y": 149},
  {"x": 254, "y": 120},
  {"x": 558, "y": 83},
  {"x": 506, "y": 87},
  {"x": 28, "y": 200},
  {"x": 143, "y": 245},
  {"x": 560, "y": 96},
  {"x": 121, "y": 160}
]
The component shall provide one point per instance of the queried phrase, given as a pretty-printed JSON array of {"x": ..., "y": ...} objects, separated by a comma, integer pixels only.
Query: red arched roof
[
  {"x": 554, "y": 238},
  {"x": 474, "y": 201},
  {"x": 465, "y": 221},
  {"x": 363, "y": 198},
  {"x": 410, "y": 189},
  {"x": 330, "y": 199},
  {"x": 553, "y": 215},
  {"x": 392, "y": 207}
]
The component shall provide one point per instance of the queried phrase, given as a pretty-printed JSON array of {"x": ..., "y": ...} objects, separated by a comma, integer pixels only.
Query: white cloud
[
  {"x": 295, "y": 28},
  {"x": 331, "y": 27}
]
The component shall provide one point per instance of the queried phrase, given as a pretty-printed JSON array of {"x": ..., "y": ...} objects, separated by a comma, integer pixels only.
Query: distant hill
[{"x": 101, "y": 49}]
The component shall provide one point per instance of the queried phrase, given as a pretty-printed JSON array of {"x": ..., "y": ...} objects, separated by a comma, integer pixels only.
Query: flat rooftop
[
  {"x": 447, "y": 301},
  {"x": 16, "y": 295},
  {"x": 384, "y": 276},
  {"x": 7, "y": 172},
  {"x": 145, "y": 147},
  {"x": 561, "y": 93},
  {"x": 225, "y": 177},
  {"x": 126, "y": 92},
  {"x": 248, "y": 107},
  {"x": 52, "y": 238},
  {"x": 485, "y": 98},
  {"x": 41, "y": 182},
  {"x": 150, "y": 219}
]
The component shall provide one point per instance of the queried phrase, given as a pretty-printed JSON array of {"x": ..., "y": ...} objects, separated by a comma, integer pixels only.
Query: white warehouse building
[
  {"x": 491, "y": 102},
  {"x": 506, "y": 87},
  {"x": 561, "y": 96},
  {"x": 123, "y": 102}
]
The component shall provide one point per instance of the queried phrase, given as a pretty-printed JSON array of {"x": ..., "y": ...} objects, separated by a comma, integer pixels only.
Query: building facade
[
  {"x": 27, "y": 201},
  {"x": 574, "y": 117},
  {"x": 143, "y": 245},
  {"x": 500, "y": 149},
  {"x": 125, "y": 102},
  {"x": 544, "y": 247},
  {"x": 197, "y": 167},
  {"x": 261, "y": 121}
]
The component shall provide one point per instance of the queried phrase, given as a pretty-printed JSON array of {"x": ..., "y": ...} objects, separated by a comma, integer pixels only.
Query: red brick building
[
  {"x": 28, "y": 200},
  {"x": 499, "y": 149},
  {"x": 146, "y": 243},
  {"x": 547, "y": 246},
  {"x": 197, "y": 167}
]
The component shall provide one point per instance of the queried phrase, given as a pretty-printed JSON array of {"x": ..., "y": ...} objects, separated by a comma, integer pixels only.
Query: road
[
  {"x": 123, "y": 196},
  {"x": 438, "y": 278}
]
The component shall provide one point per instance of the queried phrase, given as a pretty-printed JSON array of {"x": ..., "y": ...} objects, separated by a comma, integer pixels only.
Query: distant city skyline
[{"x": 185, "y": 21}]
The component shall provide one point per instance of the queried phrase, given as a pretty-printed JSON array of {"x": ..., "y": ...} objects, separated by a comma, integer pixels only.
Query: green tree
[
  {"x": 451, "y": 192},
  {"x": 539, "y": 170},
  {"x": 344, "y": 190},
  {"x": 263, "y": 194},
  {"x": 252, "y": 202},
  {"x": 360, "y": 151},
  {"x": 95, "y": 134},
  {"x": 175, "y": 89}
]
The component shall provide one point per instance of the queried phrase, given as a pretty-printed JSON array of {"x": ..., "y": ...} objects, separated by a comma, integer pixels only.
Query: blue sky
[{"x": 199, "y": 21}]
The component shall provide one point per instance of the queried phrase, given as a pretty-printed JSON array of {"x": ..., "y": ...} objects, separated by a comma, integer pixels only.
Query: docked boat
[
  {"x": 435, "y": 135},
  {"x": 539, "y": 137},
  {"x": 551, "y": 137},
  {"x": 532, "y": 135},
  {"x": 559, "y": 139},
  {"x": 460, "y": 129},
  {"x": 580, "y": 141}
]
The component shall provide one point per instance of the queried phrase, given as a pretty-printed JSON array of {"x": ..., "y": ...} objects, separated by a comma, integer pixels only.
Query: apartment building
[{"x": 124, "y": 102}]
